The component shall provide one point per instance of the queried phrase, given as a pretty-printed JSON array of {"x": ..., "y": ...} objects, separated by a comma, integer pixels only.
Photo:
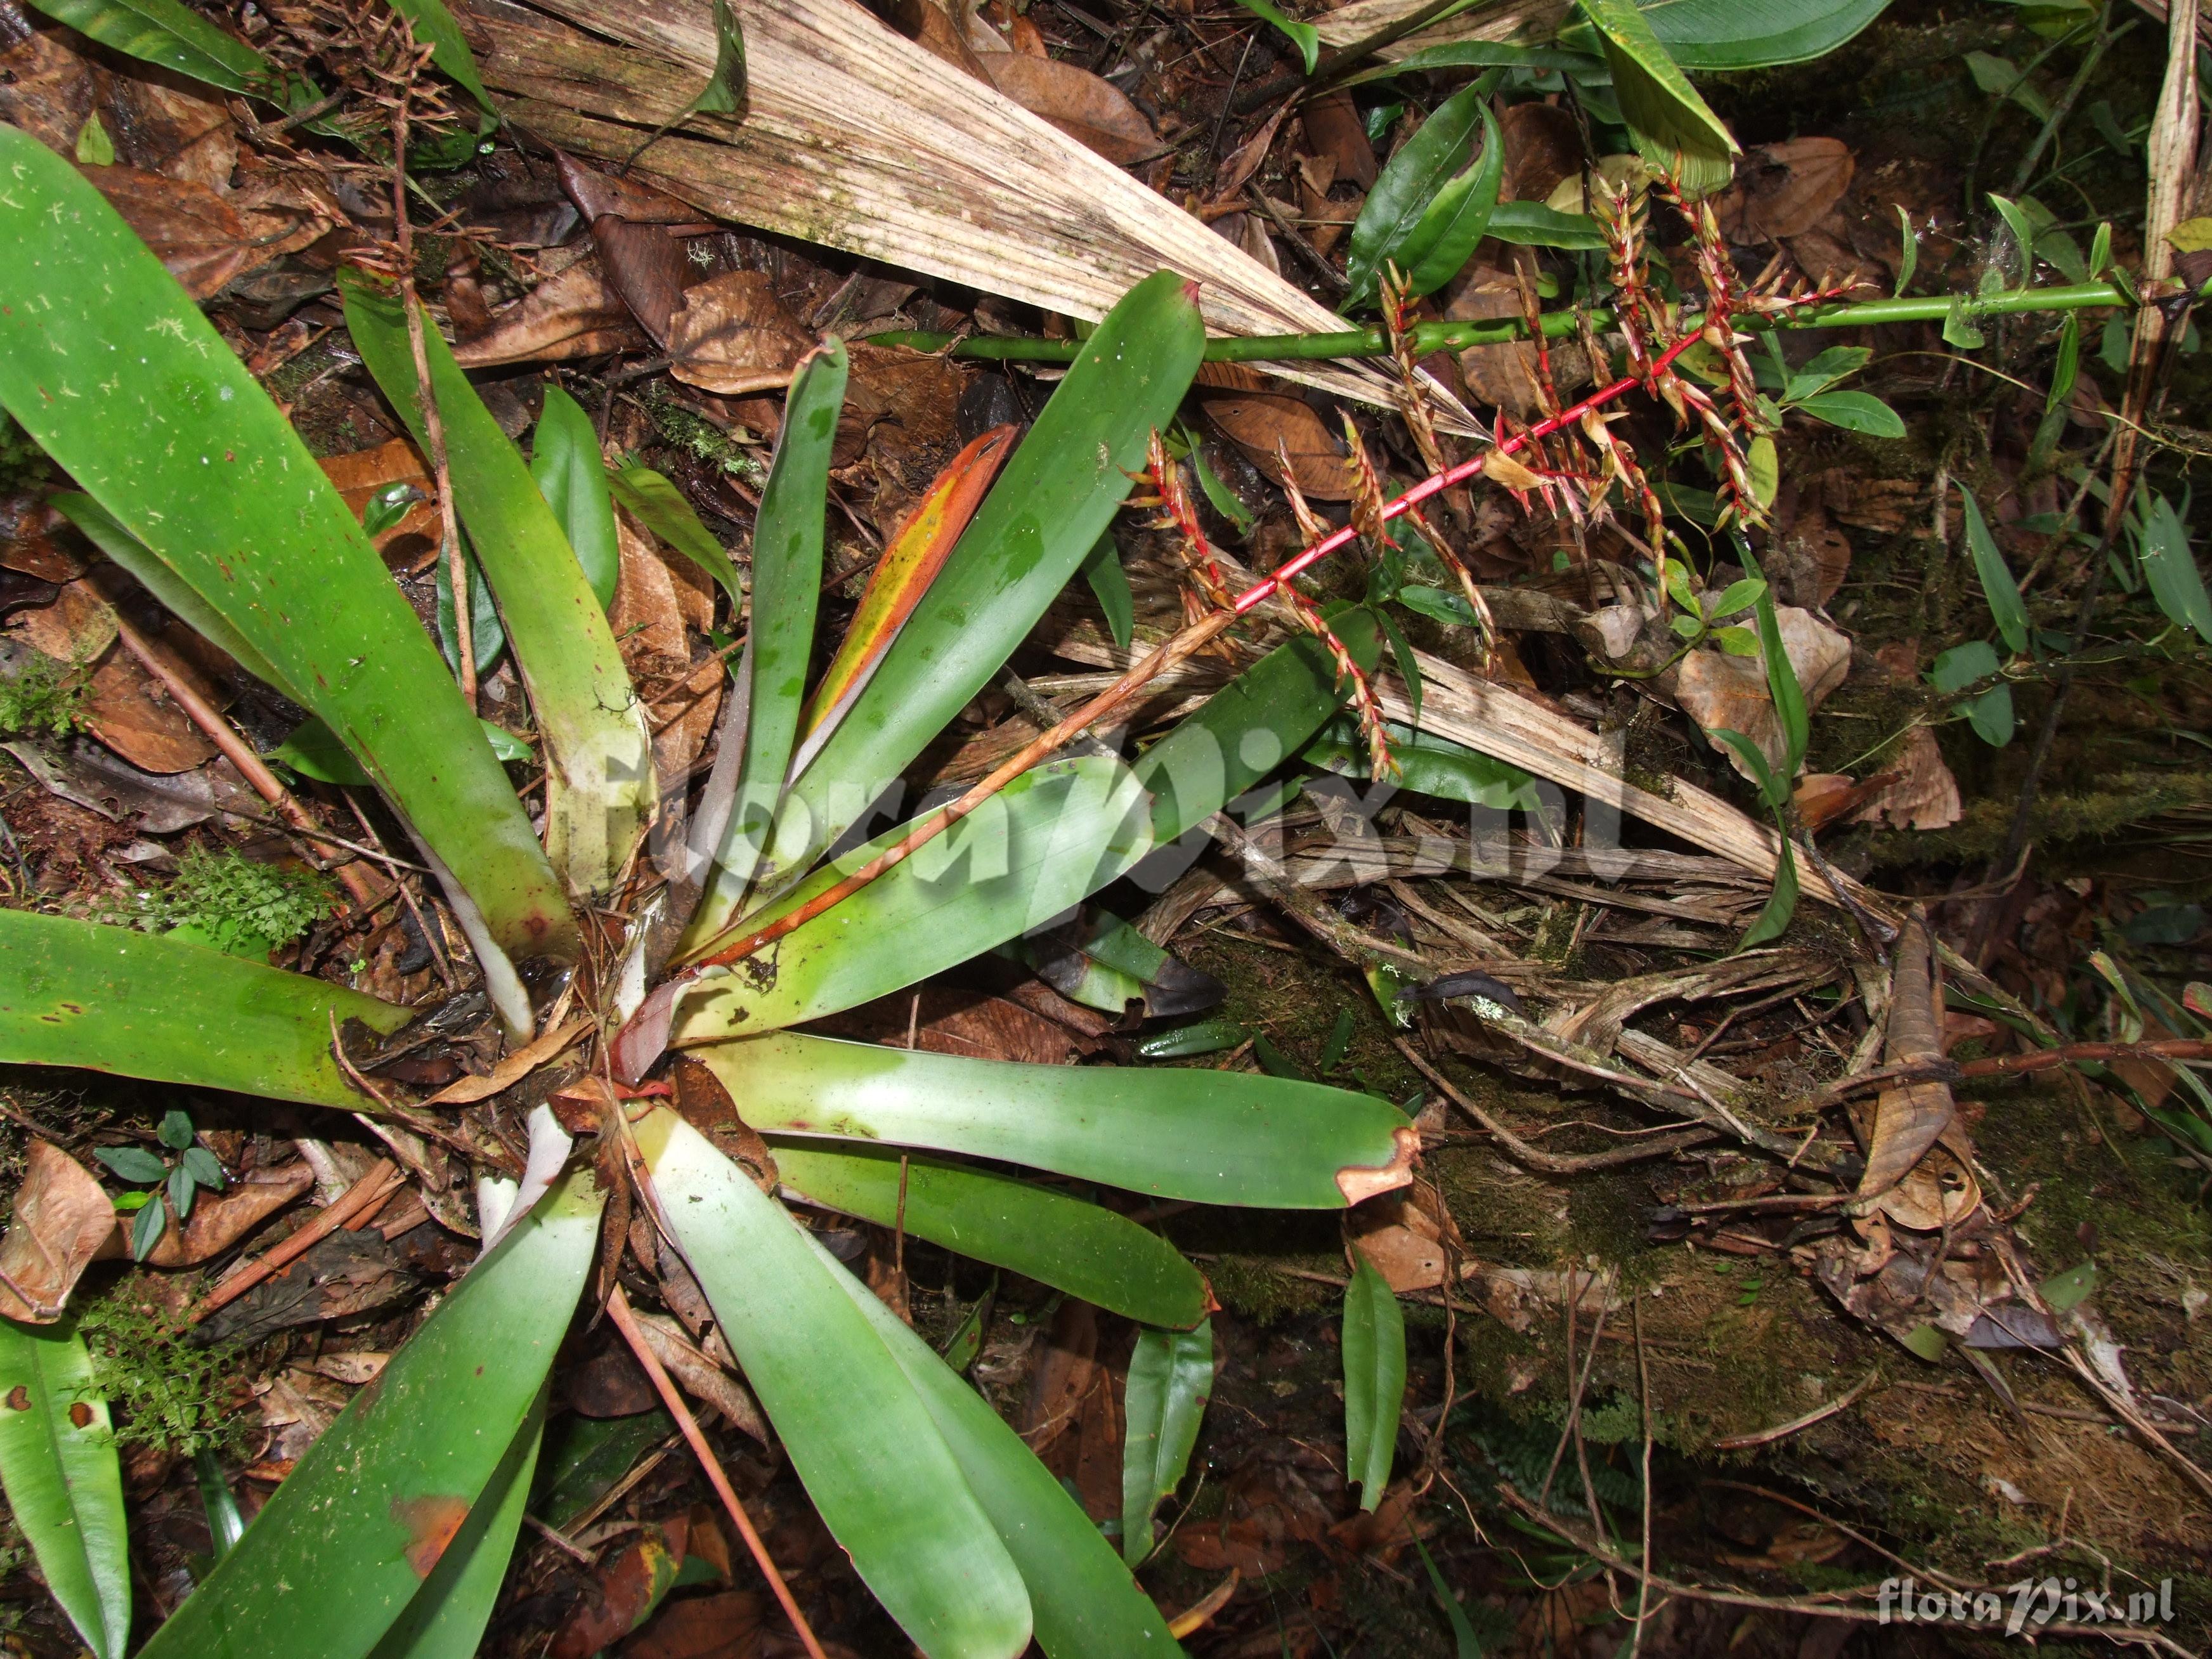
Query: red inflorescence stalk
[{"x": 1437, "y": 484}]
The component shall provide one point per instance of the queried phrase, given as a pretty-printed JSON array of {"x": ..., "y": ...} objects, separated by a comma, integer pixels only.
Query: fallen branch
[
  {"x": 2045, "y": 1060},
  {"x": 382, "y": 1179}
]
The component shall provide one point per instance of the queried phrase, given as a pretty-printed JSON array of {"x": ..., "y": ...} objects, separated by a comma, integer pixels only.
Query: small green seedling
[{"x": 192, "y": 1168}]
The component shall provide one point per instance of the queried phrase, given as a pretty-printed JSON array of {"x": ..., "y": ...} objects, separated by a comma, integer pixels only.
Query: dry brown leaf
[
  {"x": 574, "y": 314},
  {"x": 1502, "y": 376},
  {"x": 722, "y": 1627},
  {"x": 1789, "y": 188},
  {"x": 1726, "y": 693},
  {"x": 220, "y": 1220},
  {"x": 129, "y": 711},
  {"x": 681, "y": 697},
  {"x": 46, "y": 89},
  {"x": 77, "y": 628},
  {"x": 1822, "y": 798},
  {"x": 1064, "y": 1375},
  {"x": 1543, "y": 146},
  {"x": 63, "y": 1219},
  {"x": 1335, "y": 130},
  {"x": 1243, "y": 161},
  {"x": 947, "y": 1020},
  {"x": 1925, "y": 796},
  {"x": 701, "y": 1375},
  {"x": 732, "y": 335},
  {"x": 1267, "y": 424},
  {"x": 198, "y": 236},
  {"x": 1908, "y": 1118},
  {"x": 1089, "y": 109}
]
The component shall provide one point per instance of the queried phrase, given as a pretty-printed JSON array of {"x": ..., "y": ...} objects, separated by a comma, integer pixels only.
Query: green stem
[{"x": 1459, "y": 335}]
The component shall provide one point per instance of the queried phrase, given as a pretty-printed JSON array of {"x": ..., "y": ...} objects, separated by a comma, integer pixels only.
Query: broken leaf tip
[{"x": 1360, "y": 1182}]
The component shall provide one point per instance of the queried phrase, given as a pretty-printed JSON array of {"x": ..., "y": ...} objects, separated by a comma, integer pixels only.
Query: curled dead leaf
[
  {"x": 1789, "y": 189},
  {"x": 220, "y": 1220},
  {"x": 573, "y": 313},
  {"x": 62, "y": 1217},
  {"x": 1924, "y": 796},
  {"x": 1093, "y": 111},
  {"x": 732, "y": 335},
  {"x": 1265, "y": 425},
  {"x": 199, "y": 237}
]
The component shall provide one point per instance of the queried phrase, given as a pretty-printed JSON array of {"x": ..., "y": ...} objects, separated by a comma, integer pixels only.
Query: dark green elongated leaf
[
  {"x": 133, "y": 1164},
  {"x": 1431, "y": 765},
  {"x": 1054, "y": 499},
  {"x": 217, "y": 484},
  {"x": 1401, "y": 653},
  {"x": 142, "y": 1005},
  {"x": 659, "y": 506},
  {"x": 1084, "y": 1602},
  {"x": 2170, "y": 567},
  {"x": 1392, "y": 224},
  {"x": 2022, "y": 233},
  {"x": 449, "y": 49},
  {"x": 1206, "y": 1036},
  {"x": 1374, "y": 1379},
  {"x": 65, "y": 1486},
  {"x": 1250, "y": 726},
  {"x": 1459, "y": 216},
  {"x": 584, "y": 1456},
  {"x": 564, "y": 458},
  {"x": 1910, "y": 263},
  {"x": 1171, "y": 1379},
  {"x": 313, "y": 752},
  {"x": 1772, "y": 788},
  {"x": 598, "y": 757},
  {"x": 225, "y": 1525},
  {"x": 1304, "y": 36},
  {"x": 1043, "y": 1234},
  {"x": 1743, "y": 34},
  {"x": 1215, "y": 1137},
  {"x": 1531, "y": 224},
  {"x": 447, "y": 1616},
  {"x": 872, "y": 1460},
  {"x": 1853, "y": 412},
  {"x": 1773, "y": 918},
  {"x": 166, "y": 33},
  {"x": 98, "y": 525},
  {"x": 359, "y": 1528},
  {"x": 788, "y": 533},
  {"x": 1047, "y": 841},
  {"x": 487, "y": 637},
  {"x": 1998, "y": 586},
  {"x": 1673, "y": 126},
  {"x": 1109, "y": 586}
]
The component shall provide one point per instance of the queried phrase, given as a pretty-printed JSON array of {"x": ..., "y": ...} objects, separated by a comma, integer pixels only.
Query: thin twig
[
  {"x": 618, "y": 1309},
  {"x": 378, "y": 1183}
]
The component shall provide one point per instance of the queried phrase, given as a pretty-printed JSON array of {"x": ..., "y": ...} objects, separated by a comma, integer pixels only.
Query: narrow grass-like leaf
[
  {"x": 359, "y": 1528},
  {"x": 96, "y": 341},
  {"x": 787, "y": 532},
  {"x": 446, "y": 1619},
  {"x": 143, "y": 1004},
  {"x": 1673, "y": 126},
  {"x": 1782, "y": 683},
  {"x": 1773, "y": 918},
  {"x": 65, "y": 1486},
  {"x": 1054, "y": 500},
  {"x": 1212, "y": 1137},
  {"x": 1171, "y": 1378},
  {"x": 449, "y": 48},
  {"x": 170, "y": 34},
  {"x": 598, "y": 757},
  {"x": 1048, "y": 841},
  {"x": 2066, "y": 365},
  {"x": 1250, "y": 726},
  {"x": 564, "y": 459},
  {"x": 1047, "y": 1236},
  {"x": 1084, "y": 1602},
  {"x": 1304, "y": 36},
  {"x": 1374, "y": 1379},
  {"x": 1998, "y": 587},
  {"x": 1393, "y": 223},
  {"x": 873, "y": 1461},
  {"x": 659, "y": 506},
  {"x": 1465, "y": 1643}
]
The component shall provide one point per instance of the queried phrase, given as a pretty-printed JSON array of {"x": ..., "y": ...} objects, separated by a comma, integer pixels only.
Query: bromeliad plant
[{"x": 392, "y": 1536}]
